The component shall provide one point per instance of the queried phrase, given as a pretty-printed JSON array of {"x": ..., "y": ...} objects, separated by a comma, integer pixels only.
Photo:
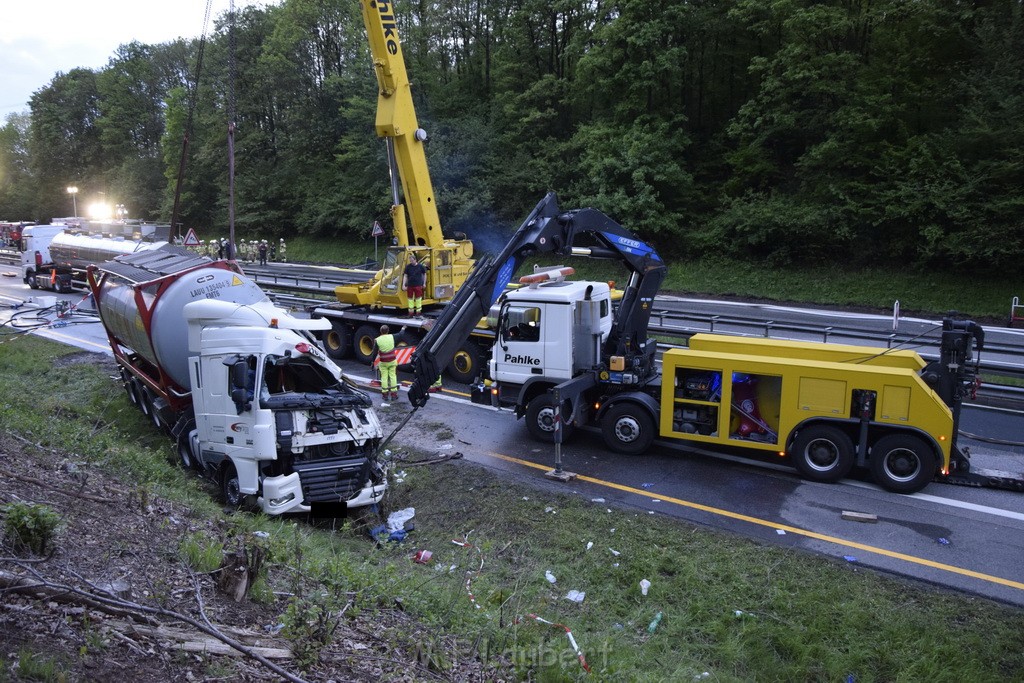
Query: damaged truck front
[{"x": 239, "y": 383}]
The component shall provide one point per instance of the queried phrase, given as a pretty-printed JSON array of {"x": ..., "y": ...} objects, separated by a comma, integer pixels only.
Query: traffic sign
[
  {"x": 190, "y": 239},
  {"x": 377, "y": 230}
]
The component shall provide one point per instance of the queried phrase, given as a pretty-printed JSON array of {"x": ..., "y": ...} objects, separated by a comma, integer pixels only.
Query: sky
[{"x": 39, "y": 38}]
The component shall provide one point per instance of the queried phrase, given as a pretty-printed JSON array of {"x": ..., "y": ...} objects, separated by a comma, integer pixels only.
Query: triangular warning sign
[
  {"x": 190, "y": 238},
  {"x": 377, "y": 230},
  {"x": 235, "y": 281}
]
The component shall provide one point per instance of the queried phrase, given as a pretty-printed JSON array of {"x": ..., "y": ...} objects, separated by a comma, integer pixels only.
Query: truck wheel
[
  {"x": 823, "y": 453},
  {"x": 902, "y": 463},
  {"x": 230, "y": 491},
  {"x": 30, "y": 280},
  {"x": 540, "y": 420},
  {"x": 362, "y": 344},
  {"x": 129, "y": 387},
  {"x": 465, "y": 366},
  {"x": 628, "y": 428},
  {"x": 338, "y": 341},
  {"x": 187, "y": 449},
  {"x": 148, "y": 408}
]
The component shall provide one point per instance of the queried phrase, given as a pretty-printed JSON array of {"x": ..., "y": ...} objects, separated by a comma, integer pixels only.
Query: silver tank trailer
[
  {"x": 81, "y": 251},
  {"x": 168, "y": 328}
]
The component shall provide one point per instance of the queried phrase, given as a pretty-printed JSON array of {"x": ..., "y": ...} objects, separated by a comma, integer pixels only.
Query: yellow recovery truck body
[{"x": 829, "y": 401}]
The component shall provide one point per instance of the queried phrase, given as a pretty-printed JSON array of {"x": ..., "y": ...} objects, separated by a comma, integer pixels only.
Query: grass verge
[{"x": 732, "y": 609}]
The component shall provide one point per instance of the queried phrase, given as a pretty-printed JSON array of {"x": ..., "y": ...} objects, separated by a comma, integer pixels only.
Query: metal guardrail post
[{"x": 768, "y": 328}]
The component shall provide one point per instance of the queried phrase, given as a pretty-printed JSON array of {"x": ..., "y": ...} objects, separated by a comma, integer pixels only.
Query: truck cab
[{"x": 37, "y": 270}]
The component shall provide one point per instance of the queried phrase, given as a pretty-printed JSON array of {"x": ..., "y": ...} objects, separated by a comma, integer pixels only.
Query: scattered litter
[
  {"x": 575, "y": 596},
  {"x": 613, "y": 530},
  {"x": 616, "y": 553},
  {"x": 943, "y": 541},
  {"x": 568, "y": 633},
  {"x": 654, "y": 624},
  {"x": 851, "y": 516},
  {"x": 590, "y": 544},
  {"x": 398, "y": 518},
  {"x": 549, "y": 576},
  {"x": 644, "y": 586},
  {"x": 526, "y": 498},
  {"x": 849, "y": 558},
  {"x": 608, "y": 510},
  {"x": 740, "y": 614},
  {"x": 597, "y": 500},
  {"x": 650, "y": 512},
  {"x": 387, "y": 452},
  {"x": 422, "y": 557},
  {"x": 274, "y": 628},
  {"x": 701, "y": 677},
  {"x": 618, "y": 627},
  {"x": 400, "y": 476},
  {"x": 261, "y": 534},
  {"x": 655, "y": 500},
  {"x": 616, "y": 565},
  {"x": 445, "y": 447},
  {"x": 647, "y": 485},
  {"x": 550, "y": 509},
  {"x": 780, "y": 532}
]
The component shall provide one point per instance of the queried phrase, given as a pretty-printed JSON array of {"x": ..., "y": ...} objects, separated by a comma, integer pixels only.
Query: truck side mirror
[{"x": 241, "y": 391}]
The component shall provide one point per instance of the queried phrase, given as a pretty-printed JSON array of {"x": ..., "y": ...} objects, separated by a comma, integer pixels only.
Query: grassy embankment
[
  {"x": 733, "y": 608},
  {"x": 979, "y": 296}
]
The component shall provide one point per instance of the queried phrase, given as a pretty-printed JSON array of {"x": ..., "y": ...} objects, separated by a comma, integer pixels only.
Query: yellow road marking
[{"x": 774, "y": 525}]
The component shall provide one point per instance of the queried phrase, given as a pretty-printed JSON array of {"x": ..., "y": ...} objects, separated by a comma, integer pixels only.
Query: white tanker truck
[
  {"x": 52, "y": 257},
  {"x": 239, "y": 383}
]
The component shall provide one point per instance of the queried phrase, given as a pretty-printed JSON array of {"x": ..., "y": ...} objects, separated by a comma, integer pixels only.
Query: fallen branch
[{"x": 47, "y": 485}]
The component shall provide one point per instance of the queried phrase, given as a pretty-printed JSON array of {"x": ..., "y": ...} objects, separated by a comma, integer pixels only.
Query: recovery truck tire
[
  {"x": 902, "y": 463},
  {"x": 540, "y": 420},
  {"x": 823, "y": 453},
  {"x": 628, "y": 428},
  {"x": 338, "y": 341},
  {"x": 466, "y": 364},
  {"x": 362, "y": 343}
]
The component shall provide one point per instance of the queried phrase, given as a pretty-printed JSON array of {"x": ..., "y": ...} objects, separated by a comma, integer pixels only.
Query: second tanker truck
[{"x": 239, "y": 383}]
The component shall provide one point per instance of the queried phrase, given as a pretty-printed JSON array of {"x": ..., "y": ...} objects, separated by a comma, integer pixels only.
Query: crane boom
[{"x": 396, "y": 123}]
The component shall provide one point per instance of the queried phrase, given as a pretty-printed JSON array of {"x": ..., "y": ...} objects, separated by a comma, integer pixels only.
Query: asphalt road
[{"x": 967, "y": 539}]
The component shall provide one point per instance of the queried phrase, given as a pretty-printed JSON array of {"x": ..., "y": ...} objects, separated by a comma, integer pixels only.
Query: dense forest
[{"x": 788, "y": 131}]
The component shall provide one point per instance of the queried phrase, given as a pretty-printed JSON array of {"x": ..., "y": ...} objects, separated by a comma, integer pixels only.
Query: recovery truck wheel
[
  {"x": 628, "y": 428},
  {"x": 902, "y": 463},
  {"x": 362, "y": 343},
  {"x": 466, "y": 364},
  {"x": 823, "y": 453},
  {"x": 540, "y": 420},
  {"x": 338, "y": 340}
]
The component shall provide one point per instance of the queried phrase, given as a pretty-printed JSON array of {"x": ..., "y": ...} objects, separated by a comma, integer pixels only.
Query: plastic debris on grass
[
  {"x": 645, "y": 586},
  {"x": 550, "y": 577},
  {"x": 568, "y": 633},
  {"x": 575, "y": 596}
]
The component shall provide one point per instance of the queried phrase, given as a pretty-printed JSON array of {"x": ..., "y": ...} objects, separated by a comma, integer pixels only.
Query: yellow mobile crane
[
  {"x": 363, "y": 306},
  {"x": 448, "y": 261}
]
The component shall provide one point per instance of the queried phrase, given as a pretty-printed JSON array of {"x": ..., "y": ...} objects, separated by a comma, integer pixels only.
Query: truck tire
[
  {"x": 187, "y": 449},
  {"x": 129, "y": 387},
  {"x": 902, "y": 463},
  {"x": 628, "y": 428},
  {"x": 146, "y": 400},
  {"x": 231, "y": 493},
  {"x": 466, "y": 364},
  {"x": 823, "y": 453},
  {"x": 362, "y": 343},
  {"x": 30, "y": 280},
  {"x": 338, "y": 340},
  {"x": 540, "y": 420}
]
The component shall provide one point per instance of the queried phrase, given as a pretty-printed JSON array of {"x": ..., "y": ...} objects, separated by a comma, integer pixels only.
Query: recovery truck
[
  {"x": 364, "y": 306},
  {"x": 238, "y": 383},
  {"x": 564, "y": 359}
]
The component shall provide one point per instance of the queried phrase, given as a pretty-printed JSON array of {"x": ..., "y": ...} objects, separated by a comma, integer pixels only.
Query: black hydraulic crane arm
[{"x": 546, "y": 229}]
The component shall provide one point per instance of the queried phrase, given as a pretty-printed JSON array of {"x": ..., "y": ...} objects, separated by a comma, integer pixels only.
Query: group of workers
[
  {"x": 414, "y": 278},
  {"x": 253, "y": 251}
]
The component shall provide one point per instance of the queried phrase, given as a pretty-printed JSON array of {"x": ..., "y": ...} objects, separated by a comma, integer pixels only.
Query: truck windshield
[{"x": 302, "y": 374}]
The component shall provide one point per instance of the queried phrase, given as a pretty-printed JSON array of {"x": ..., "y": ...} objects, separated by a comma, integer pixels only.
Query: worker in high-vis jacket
[{"x": 388, "y": 364}]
